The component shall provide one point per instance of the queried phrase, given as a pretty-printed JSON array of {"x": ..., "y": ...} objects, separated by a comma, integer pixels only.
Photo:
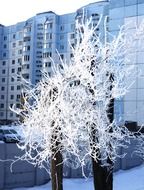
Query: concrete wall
[{"x": 25, "y": 175}]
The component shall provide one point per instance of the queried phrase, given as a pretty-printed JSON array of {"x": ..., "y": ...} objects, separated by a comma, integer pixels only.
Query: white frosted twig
[{"x": 72, "y": 106}]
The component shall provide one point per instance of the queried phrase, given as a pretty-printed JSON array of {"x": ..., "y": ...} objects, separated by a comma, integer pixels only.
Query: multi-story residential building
[{"x": 31, "y": 47}]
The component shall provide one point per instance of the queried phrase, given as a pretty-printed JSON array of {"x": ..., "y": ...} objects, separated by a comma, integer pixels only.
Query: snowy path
[{"x": 123, "y": 180}]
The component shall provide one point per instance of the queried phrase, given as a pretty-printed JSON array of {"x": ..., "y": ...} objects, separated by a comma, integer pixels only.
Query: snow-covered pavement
[{"x": 123, "y": 180}]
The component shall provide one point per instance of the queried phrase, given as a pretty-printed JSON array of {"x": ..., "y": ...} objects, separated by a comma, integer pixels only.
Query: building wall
[
  {"x": 28, "y": 48},
  {"x": 131, "y": 13},
  {"x": 23, "y": 174}
]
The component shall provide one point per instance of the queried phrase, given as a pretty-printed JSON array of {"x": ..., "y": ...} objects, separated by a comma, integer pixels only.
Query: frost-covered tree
[{"x": 70, "y": 115}]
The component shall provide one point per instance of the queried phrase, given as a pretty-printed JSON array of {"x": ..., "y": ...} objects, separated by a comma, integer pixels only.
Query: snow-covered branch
[{"x": 69, "y": 112}]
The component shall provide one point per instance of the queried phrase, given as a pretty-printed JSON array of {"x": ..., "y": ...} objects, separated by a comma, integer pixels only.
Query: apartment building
[{"x": 29, "y": 48}]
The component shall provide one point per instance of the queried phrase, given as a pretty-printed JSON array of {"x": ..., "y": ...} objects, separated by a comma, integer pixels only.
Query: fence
[
  {"x": 26, "y": 175},
  {"x": 23, "y": 174}
]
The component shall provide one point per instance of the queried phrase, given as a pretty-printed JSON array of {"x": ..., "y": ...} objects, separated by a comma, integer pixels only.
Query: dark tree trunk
[
  {"x": 57, "y": 171},
  {"x": 103, "y": 176},
  {"x": 109, "y": 171},
  {"x": 56, "y": 161},
  {"x": 98, "y": 175}
]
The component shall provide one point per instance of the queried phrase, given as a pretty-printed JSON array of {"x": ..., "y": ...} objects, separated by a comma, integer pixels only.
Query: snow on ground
[{"x": 132, "y": 179}]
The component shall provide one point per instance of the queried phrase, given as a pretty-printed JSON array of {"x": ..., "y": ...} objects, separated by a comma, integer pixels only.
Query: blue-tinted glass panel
[
  {"x": 140, "y": 9},
  {"x": 140, "y": 1},
  {"x": 130, "y": 10},
  {"x": 130, "y": 2},
  {"x": 115, "y": 24},
  {"x": 116, "y": 3},
  {"x": 117, "y": 13}
]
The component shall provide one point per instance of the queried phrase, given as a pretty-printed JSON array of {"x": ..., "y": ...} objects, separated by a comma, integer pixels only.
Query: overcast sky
[{"x": 13, "y": 11}]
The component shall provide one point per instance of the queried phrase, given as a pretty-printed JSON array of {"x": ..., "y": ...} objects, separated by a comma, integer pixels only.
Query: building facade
[
  {"x": 31, "y": 47},
  {"x": 131, "y": 13}
]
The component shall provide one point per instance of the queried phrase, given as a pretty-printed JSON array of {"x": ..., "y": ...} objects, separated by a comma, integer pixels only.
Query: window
[
  {"x": 20, "y": 43},
  {"x": 38, "y": 61},
  {"x": 5, "y": 38},
  {"x": 61, "y": 47},
  {"x": 48, "y": 36},
  {"x": 3, "y": 71},
  {"x": 94, "y": 25},
  {"x": 11, "y": 97},
  {"x": 48, "y": 45},
  {"x": 11, "y": 114},
  {"x": 20, "y": 51},
  {"x": 18, "y": 96},
  {"x": 72, "y": 36},
  {"x": 17, "y": 105},
  {"x": 39, "y": 25},
  {"x": 47, "y": 64},
  {"x": 49, "y": 73},
  {"x": 1, "y": 114},
  {"x": 12, "y": 87},
  {"x": 61, "y": 37},
  {"x": 95, "y": 14},
  {"x": 3, "y": 79},
  {"x": 13, "y": 45},
  {"x": 39, "y": 37},
  {"x": 2, "y": 97},
  {"x": 19, "y": 69},
  {"x": 25, "y": 66},
  {"x": 49, "y": 25},
  {"x": 26, "y": 48},
  {"x": 27, "y": 39},
  {"x": 4, "y": 63},
  {"x": 20, "y": 34},
  {"x": 62, "y": 56},
  {"x": 47, "y": 54},
  {"x": 72, "y": 26},
  {"x": 13, "y": 62},
  {"x": 18, "y": 78},
  {"x": 39, "y": 65},
  {"x": 13, "y": 52},
  {"x": 12, "y": 79},
  {"x": 39, "y": 75},
  {"x": 26, "y": 57},
  {"x": 18, "y": 87},
  {"x": 4, "y": 54},
  {"x": 14, "y": 36},
  {"x": 1, "y": 105},
  {"x": 5, "y": 46},
  {"x": 72, "y": 45},
  {"x": 27, "y": 29},
  {"x": 13, "y": 71},
  {"x": 62, "y": 27},
  {"x": 26, "y": 76},
  {"x": 20, "y": 60},
  {"x": 2, "y": 88}
]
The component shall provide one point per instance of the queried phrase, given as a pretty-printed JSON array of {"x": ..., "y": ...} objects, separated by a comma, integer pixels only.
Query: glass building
[{"x": 130, "y": 13}]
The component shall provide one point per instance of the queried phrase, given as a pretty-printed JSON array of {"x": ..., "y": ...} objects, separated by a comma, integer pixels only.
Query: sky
[{"x": 13, "y": 11}]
